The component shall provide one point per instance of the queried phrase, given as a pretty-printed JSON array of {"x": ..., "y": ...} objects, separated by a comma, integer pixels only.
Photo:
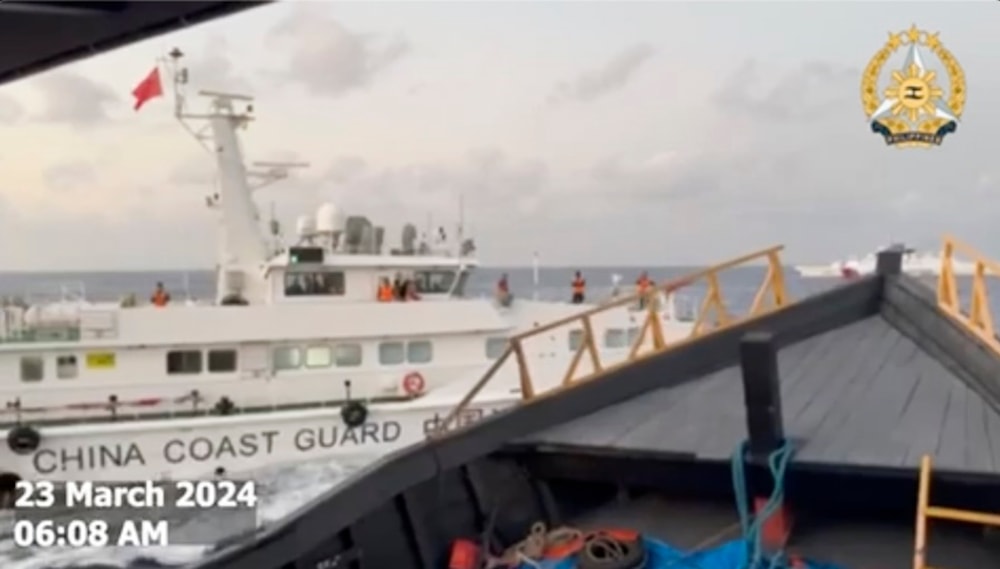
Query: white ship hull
[
  {"x": 199, "y": 448},
  {"x": 212, "y": 446}
]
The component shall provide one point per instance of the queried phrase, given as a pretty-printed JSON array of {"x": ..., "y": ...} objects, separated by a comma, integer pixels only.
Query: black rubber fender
[
  {"x": 225, "y": 406},
  {"x": 23, "y": 439},
  {"x": 354, "y": 413}
]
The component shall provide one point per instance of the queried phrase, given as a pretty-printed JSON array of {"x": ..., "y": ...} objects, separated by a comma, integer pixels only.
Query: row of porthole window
[
  {"x": 192, "y": 362},
  {"x": 613, "y": 338},
  {"x": 351, "y": 355},
  {"x": 179, "y": 362},
  {"x": 33, "y": 368},
  {"x": 189, "y": 362}
]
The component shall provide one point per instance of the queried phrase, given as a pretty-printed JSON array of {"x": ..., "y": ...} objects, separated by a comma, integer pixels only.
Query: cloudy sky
[{"x": 595, "y": 133}]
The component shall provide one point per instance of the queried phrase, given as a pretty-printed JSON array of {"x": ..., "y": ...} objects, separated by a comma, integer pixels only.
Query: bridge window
[
  {"x": 434, "y": 282},
  {"x": 347, "y": 355},
  {"x": 419, "y": 352},
  {"x": 66, "y": 367},
  {"x": 184, "y": 362},
  {"x": 221, "y": 361},
  {"x": 391, "y": 353},
  {"x": 32, "y": 368},
  {"x": 615, "y": 338},
  {"x": 319, "y": 357},
  {"x": 575, "y": 340},
  {"x": 287, "y": 357},
  {"x": 495, "y": 347},
  {"x": 314, "y": 283}
]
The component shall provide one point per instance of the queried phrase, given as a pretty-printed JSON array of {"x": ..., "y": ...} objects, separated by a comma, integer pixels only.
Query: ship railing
[
  {"x": 927, "y": 512},
  {"x": 713, "y": 315},
  {"x": 978, "y": 317},
  {"x": 57, "y": 292}
]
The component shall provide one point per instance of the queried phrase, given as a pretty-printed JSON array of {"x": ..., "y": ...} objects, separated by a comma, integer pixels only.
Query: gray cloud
[
  {"x": 664, "y": 177},
  {"x": 11, "y": 111},
  {"x": 346, "y": 168},
  {"x": 327, "y": 59},
  {"x": 611, "y": 76},
  {"x": 806, "y": 92},
  {"x": 75, "y": 99},
  {"x": 791, "y": 160},
  {"x": 196, "y": 169},
  {"x": 69, "y": 176},
  {"x": 213, "y": 69}
]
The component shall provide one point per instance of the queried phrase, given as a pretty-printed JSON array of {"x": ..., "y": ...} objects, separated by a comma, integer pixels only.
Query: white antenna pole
[
  {"x": 535, "y": 279},
  {"x": 461, "y": 222}
]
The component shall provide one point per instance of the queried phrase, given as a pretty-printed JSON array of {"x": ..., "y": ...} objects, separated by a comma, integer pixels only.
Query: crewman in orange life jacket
[
  {"x": 579, "y": 286},
  {"x": 385, "y": 292},
  {"x": 160, "y": 296}
]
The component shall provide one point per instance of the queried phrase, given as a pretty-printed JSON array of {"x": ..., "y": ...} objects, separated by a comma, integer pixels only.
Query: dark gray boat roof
[
  {"x": 41, "y": 35},
  {"x": 864, "y": 394}
]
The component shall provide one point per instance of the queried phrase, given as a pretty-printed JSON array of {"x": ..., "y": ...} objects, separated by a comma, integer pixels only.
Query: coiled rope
[{"x": 752, "y": 526}]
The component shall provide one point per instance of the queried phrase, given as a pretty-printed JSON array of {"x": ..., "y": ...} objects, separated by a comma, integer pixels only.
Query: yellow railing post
[
  {"x": 923, "y": 496},
  {"x": 524, "y": 374},
  {"x": 927, "y": 512},
  {"x": 651, "y": 324},
  {"x": 979, "y": 317},
  {"x": 590, "y": 340}
]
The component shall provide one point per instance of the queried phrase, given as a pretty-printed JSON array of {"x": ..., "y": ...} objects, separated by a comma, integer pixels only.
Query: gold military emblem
[{"x": 906, "y": 98}]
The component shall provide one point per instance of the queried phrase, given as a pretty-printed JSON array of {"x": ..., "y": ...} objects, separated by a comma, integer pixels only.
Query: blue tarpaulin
[{"x": 730, "y": 555}]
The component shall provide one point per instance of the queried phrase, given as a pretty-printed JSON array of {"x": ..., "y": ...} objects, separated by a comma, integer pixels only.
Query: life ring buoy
[
  {"x": 414, "y": 384},
  {"x": 354, "y": 413},
  {"x": 23, "y": 439}
]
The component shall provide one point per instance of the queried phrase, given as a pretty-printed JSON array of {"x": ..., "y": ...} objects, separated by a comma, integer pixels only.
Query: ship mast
[{"x": 243, "y": 251}]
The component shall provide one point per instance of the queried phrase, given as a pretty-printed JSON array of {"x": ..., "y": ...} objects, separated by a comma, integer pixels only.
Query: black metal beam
[
  {"x": 52, "y": 34},
  {"x": 63, "y": 8}
]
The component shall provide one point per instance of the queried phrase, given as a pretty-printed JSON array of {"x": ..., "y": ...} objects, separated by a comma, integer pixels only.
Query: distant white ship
[{"x": 915, "y": 263}]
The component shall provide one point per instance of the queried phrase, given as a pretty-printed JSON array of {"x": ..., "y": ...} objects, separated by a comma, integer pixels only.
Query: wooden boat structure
[{"x": 877, "y": 404}]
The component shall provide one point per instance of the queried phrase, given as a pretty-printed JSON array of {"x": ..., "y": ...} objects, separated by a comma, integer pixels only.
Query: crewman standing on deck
[
  {"x": 642, "y": 286},
  {"x": 385, "y": 292},
  {"x": 503, "y": 291},
  {"x": 160, "y": 296},
  {"x": 579, "y": 286}
]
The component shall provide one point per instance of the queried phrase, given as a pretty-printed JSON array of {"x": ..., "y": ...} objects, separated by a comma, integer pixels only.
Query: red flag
[{"x": 148, "y": 88}]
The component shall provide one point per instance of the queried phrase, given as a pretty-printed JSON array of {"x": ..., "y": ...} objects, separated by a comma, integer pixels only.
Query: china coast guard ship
[{"x": 299, "y": 356}]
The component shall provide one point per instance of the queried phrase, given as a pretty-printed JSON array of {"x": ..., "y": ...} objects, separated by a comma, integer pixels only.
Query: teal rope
[{"x": 752, "y": 526}]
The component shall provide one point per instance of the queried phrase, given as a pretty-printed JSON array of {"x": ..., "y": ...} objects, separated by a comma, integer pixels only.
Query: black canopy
[{"x": 41, "y": 35}]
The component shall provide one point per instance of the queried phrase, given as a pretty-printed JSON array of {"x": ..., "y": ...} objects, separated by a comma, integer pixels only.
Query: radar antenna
[{"x": 243, "y": 247}]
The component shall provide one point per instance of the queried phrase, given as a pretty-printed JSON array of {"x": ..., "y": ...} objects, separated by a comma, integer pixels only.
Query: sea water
[{"x": 284, "y": 489}]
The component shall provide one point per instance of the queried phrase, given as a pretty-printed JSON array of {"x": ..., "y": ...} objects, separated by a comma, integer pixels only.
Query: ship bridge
[{"x": 875, "y": 384}]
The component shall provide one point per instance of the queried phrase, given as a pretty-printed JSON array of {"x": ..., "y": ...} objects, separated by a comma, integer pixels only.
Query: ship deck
[{"x": 851, "y": 543}]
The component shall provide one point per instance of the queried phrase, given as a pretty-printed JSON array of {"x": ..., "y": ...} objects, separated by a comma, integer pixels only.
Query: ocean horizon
[{"x": 553, "y": 282}]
